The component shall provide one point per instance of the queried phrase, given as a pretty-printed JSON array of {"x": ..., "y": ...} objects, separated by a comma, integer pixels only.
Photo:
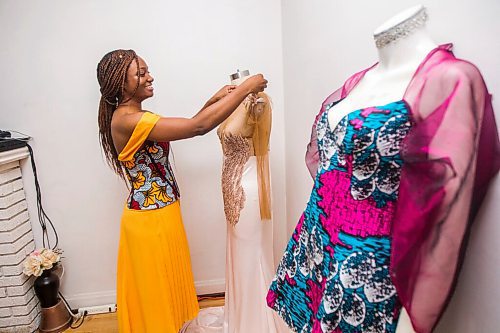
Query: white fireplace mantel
[{"x": 13, "y": 155}]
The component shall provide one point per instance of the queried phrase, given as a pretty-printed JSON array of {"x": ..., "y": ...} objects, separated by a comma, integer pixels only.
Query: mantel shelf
[{"x": 13, "y": 155}]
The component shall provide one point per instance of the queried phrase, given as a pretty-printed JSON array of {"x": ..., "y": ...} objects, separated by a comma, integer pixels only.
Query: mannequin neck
[
  {"x": 240, "y": 76},
  {"x": 403, "y": 39},
  {"x": 413, "y": 48}
]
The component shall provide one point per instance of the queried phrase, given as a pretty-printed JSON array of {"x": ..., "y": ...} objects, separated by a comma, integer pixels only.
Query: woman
[{"x": 155, "y": 289}]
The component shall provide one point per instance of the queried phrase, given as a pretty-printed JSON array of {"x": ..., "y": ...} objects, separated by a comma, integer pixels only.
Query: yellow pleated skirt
[{"x": 155, "y": 286}]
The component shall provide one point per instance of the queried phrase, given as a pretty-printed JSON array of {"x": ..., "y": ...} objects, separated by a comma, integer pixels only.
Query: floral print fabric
[
  {"x": 151, "y": 177},
  {"x": 334, "y": 275}
]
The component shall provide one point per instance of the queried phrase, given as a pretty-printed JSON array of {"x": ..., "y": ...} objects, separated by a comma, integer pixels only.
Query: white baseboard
[
  {"x": 82, "y": 300},
  {"x": 210, "y": 286}
]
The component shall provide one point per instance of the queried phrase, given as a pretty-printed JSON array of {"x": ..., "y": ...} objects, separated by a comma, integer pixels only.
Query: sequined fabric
[
  {"x": 236, "y": 154},
  {"x": 401, "y": 30},
  {"x": 334, "y": 275},
  {"x": 451, "y": 154}
]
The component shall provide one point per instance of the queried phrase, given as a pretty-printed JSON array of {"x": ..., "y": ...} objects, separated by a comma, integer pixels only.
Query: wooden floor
[{"x": 106, "y": 323}]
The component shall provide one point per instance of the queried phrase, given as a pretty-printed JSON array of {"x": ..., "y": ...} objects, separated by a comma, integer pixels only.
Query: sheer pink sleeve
[
  {"x": 312, "y": 155},
  {"x": 450, "y": 155}
]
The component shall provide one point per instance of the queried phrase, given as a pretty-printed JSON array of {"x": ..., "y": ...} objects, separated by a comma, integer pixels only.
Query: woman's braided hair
[{"x": 111, "y": 75}]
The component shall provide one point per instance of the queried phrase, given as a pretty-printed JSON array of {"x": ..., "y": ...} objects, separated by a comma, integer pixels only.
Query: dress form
[
  {"x": 244, "y": 137},
  {"x": 239, "y": 77},
  {"x": 423, "y": 256},
  {"x": 246, "y": 191},
  {"x": 402, "y": 44},
  {"x": 237, "y": 122}
]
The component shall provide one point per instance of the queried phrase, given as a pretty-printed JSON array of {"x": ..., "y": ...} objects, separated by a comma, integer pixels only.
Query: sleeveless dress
[
  {"x": 155, "y": 286},
  {"x": 451, "y": 155},
  {"x": 334, "y": 275},
  {"x": 249, "y": 243},
  {"x": 245, "y": 183}
]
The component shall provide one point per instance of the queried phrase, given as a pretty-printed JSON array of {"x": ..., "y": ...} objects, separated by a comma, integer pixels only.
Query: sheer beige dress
[
  {"x": 247, "y": 205},
  {"x": 246, "y": 191}
]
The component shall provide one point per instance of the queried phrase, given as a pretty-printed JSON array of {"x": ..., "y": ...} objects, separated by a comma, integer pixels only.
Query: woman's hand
[
  {"x": 227, "y": 89},
  {"x": 223, "y": 92},
  {"x": 254, "y": 84}
]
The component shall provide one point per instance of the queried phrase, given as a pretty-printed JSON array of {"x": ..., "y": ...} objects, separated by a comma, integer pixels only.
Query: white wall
[
  {"x": 326, "y": 41},
  {"x": 49, "y": 54}
]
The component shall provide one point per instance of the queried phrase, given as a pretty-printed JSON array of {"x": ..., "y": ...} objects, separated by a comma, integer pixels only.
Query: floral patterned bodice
[
  {"x": 334, "y": 275},
  {"x": 366, "y": 144},
  {"x": 152, "y": 181}
]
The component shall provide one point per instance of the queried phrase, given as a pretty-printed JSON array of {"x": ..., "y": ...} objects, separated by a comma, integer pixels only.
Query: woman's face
[{"x": 145, "y": 88}]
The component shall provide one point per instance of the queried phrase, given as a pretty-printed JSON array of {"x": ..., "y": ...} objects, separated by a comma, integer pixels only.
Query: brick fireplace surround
[{"x": 19, "y": 308}]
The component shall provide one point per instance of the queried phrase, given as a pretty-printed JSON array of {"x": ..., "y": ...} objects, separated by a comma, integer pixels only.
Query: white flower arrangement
[{"x": 40, "y": 260}]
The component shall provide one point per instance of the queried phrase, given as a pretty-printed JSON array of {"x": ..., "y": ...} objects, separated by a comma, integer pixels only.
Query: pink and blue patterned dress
[{"x": 334, "y": 275}]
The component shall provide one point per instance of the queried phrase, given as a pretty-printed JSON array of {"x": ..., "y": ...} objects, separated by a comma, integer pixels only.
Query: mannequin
[
  {"x": 249, "y": 242},
  {"x": 394, "y": 194},
  {"x": 399, "y": 55},
  {"x": 244, "y": 137}
]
